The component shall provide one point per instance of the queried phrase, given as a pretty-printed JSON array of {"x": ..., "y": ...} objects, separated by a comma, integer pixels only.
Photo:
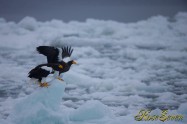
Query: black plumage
[{"x": 66, "y": 66}]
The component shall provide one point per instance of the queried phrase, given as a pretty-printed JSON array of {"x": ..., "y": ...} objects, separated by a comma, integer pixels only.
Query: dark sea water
[{"x": 80, "y": 10}]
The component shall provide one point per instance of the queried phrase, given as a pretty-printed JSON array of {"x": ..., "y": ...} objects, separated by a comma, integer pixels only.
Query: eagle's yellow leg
[{"x": 60, "y": 79}]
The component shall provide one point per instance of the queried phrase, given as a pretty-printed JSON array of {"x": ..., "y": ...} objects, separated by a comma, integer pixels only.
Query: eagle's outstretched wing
[
  {"x": 66, "y": 52},
  {"x": 54, "y": 54},
  {"x": 50, "y": 52}
]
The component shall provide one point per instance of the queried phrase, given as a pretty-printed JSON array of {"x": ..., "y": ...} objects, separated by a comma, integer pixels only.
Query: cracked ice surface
[{"x": 124, "y": 67}]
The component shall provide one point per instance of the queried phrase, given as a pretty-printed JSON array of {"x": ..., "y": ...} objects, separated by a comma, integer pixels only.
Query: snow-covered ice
[
  {"x": 42, "y": 106},
  {"x": 122, "y": 68}
]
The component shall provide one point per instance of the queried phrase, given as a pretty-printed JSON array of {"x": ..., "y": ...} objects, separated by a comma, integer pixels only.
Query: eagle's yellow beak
[{"x": 74, "y": 62}]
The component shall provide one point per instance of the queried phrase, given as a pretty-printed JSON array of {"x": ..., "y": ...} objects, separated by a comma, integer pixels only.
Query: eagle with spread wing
[{"x": 57, "y": 55}]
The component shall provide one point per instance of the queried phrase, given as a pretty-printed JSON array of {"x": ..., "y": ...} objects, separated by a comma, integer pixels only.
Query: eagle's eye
[{"x": 60, "y": 66}]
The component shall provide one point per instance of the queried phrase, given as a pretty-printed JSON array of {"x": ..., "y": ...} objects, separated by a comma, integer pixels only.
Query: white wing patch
[
  {"x": 47, "y": 68},
  {"x": 67, "y": 59},
  {"x": 60, "y": 54}
]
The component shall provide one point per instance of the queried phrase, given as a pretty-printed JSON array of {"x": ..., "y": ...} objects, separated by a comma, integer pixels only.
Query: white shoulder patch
[
  {"x": 67, "y": 59},
  {"x": 47, "y": 68}
]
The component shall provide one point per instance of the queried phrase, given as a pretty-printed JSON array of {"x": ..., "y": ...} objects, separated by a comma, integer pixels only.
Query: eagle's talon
[
  {"x": 60, "y": 79},
  {"x": 45, "y": 84}
]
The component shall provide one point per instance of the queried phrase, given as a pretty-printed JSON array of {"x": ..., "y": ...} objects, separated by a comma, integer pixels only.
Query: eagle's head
[{"x": 72, "y": 62}]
